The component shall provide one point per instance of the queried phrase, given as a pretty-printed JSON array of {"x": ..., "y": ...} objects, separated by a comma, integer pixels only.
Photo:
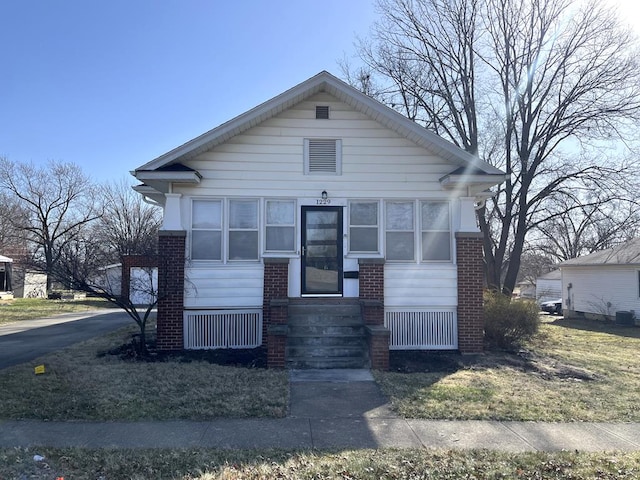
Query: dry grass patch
[
  {"x": 201, "y": 464},
  {"x": 20, "y": 309},
  {"x": 79, "y": 384},
  {"x": 571, "y": 371}
]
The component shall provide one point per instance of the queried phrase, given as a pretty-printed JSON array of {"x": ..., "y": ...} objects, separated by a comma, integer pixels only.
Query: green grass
[
  {"x": 21, "y": 309},
  {"x": 573, "y": 371},
  {"x": 203, "y": 464},
  {"x": 78, "y": 384}
]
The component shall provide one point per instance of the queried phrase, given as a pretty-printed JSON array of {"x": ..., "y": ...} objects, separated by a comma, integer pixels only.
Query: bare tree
[
  {"x": 529, "y": 86},
  {"x": 58, "y": 201},
  {"x": 128, "y": 226},
  {"x": 589, "y": 226}
]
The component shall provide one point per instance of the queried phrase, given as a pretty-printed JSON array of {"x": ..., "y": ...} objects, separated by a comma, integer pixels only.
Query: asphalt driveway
[{"x": 23, "y": 341}]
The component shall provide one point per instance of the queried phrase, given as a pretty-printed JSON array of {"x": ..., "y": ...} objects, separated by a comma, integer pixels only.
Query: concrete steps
[{"x": 326, "y": 334}]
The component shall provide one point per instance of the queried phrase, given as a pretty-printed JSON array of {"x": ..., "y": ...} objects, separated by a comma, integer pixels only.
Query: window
[
  {"x": 212, "y": 233},
  {"x": 435, "y": 226},
  {"x": 322, "y": 156},
  {"x": 243, "y": 229},
  {"x": 399, "y": 218},
  {"x": 280, "y": 226},
  {"x": 363, "y": 227},
  {"x": 206, "y": 230}
]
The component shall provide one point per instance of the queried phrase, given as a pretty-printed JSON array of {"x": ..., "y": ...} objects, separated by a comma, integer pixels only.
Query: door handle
[{"x": 303, "y": 250}]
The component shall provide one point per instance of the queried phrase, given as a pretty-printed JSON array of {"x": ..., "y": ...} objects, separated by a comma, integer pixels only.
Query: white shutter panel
[{"x": 323, "y": 156}]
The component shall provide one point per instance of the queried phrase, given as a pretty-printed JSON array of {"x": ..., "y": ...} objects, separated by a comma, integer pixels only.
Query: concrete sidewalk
[{"x": 329, "y": 409}]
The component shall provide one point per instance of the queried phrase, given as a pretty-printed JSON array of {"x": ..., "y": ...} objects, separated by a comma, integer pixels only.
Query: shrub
[{"x": 508, "y": 323}]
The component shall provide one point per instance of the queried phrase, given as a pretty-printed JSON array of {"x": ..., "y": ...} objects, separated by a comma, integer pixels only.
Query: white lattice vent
[
  {"x": 212, "y": 329},
  {"x": 422, "y": 329}
]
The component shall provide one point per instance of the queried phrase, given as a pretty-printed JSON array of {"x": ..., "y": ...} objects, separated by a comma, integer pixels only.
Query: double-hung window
[
  {"x": 435, "y": 227},
  {"x": 243, "y": 230},
  {"x": 280, "y": 225},
  {"x": 363, "y": 227},
  {"x": 206, "y": 230},
  {"x": 218, "y": 234},
  {"x": 400, "y": 231}
]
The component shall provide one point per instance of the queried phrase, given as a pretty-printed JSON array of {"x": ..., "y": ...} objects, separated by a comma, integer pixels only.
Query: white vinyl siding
[
  {"x": 601, "y": 289},
  {"x": 234, "y": 285},
  {"x": 322, "y": 156},
  {"x": 280, "y": 226},
  {"x": 436, "y": 231},
  {"x": 363, "y": 227},
  {"x": 400, "y": 231}
]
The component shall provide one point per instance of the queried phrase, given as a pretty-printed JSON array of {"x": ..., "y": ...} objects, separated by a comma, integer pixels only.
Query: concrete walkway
[{"x": 329, "y": 409}]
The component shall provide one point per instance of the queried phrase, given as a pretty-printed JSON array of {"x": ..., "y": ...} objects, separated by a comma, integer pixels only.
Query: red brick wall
[
  {"x": 130, "y": 261},
  {"x": 378, "y": 338},
  {"x": 275, "y": 309},
  {"x": 171, "y": 259},
  {"x": 371, "y": 278},
  {"x": 470, "y": 284}
]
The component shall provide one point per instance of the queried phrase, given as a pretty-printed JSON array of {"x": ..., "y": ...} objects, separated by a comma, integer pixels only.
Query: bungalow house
[
  {"x": 322, "y": 225},
  {"x": 604, "y": 284}
]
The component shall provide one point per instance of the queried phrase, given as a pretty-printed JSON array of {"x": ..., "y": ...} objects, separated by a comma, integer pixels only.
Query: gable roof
[
  {"x": 322, "y": 82},
  {"x": 625, "y": 254}
]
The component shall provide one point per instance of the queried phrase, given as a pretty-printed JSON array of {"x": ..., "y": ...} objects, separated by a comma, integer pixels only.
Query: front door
[{"x": 322, "y": 250}]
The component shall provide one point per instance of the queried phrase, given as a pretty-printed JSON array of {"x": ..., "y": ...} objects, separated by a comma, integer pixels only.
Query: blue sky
[{"x": 111, "y": 85}]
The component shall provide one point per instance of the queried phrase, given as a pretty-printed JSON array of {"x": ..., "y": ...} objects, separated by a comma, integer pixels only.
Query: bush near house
[{"x": 508, "y": 323}]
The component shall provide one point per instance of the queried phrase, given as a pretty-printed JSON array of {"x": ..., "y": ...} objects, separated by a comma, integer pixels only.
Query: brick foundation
[
  {"x": 171, "y": 258},
  {"x": 275, "y": 307},
  {"x": 371, "y": 288},
  {"x": 378, "y": 339},
  {"x": 470, "y": 285}
]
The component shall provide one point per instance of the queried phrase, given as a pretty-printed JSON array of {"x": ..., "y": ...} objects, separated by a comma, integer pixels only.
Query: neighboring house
[
  {"x": 136, "y": 279},
  {"x": 6, "y": 288},
  {"x": 549, "y": 286},
  {"x": 525, "y": 289},
  {"x": 317, "y": 207},
  {"x": 603, "y": 283}
]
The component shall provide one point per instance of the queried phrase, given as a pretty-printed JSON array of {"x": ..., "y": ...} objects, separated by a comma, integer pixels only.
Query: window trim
[
  {"x": 414, "y": 258},
  {"x": 221, "y": 201},
  {"x": 225, "y": 229},
  {"x": 228, "y": 229},
  {"x": 377, "y": 227},
  {"x": 266, "y": 225},
  {"x": 423, "y": 230},
  {"x": 338, "y": 159}
]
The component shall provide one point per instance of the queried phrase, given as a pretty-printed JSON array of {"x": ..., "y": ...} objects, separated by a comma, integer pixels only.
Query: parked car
[{"x": 553, "y": 307}]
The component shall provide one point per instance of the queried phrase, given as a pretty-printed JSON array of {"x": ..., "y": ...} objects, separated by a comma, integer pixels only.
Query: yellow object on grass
[{"x": 39, "y": 369}]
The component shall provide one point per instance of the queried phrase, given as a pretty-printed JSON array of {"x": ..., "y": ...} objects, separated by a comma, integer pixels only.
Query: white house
[
  {"x": 603, "y": 283},
  {"x": 325, "y": 197},
  {"x": 549, "y": 286}
]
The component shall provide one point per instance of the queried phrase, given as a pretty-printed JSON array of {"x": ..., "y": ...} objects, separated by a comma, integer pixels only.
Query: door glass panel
[{"x": 322, "y": 254}]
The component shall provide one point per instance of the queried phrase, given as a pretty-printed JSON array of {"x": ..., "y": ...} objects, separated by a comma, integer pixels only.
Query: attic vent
[
  {"x": 322, "y": 156},
  {"x": 322, "y": 112}
]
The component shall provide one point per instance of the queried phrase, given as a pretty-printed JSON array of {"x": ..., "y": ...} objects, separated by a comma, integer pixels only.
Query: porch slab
[{"x": 331, "y": 375}]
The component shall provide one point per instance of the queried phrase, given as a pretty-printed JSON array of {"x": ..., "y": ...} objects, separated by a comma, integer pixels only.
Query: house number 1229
[{"x": 323, "y": 201}]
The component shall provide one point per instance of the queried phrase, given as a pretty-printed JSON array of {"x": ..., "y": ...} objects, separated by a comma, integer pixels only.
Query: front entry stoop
[{"x": 326, "y": 334}]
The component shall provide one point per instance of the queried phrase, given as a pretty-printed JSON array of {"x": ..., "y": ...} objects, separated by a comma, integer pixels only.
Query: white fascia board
[
  {"x": 174, "y": 177},
  {"x": 4, "y": 259},
  {"x": 453, "y": 181}
]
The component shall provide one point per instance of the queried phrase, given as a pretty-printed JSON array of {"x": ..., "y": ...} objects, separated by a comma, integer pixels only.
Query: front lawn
[
  {"x": 80, "y": 384},
  {"x": 20, "y": 309},
  {"x": 203, "y": 464},
  {"x": 572, "y": 371}
]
